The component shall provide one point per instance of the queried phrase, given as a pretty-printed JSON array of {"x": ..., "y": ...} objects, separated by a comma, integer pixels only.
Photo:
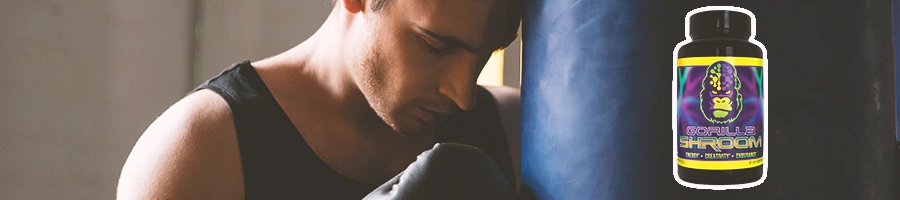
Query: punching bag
[
  {"x": 596, "y": 104},
  {"x": 596, "y": 99},
  {"x": 896, "y": 20}
]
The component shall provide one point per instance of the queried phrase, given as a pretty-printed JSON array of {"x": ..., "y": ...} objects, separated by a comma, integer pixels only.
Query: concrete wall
[
  {"x": 81, "y": 80},
  {"x": 236, "y": 30}
]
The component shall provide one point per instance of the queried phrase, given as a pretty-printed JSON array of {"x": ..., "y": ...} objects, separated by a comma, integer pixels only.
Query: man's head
[{"x": 416, "y": 61}]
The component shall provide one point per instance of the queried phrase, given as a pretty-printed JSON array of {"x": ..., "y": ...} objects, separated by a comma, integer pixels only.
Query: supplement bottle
[{"x": 719, "y": 101}]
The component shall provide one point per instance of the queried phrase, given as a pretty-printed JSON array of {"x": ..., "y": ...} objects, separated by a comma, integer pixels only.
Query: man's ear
[{"x": 354, "y": 6}]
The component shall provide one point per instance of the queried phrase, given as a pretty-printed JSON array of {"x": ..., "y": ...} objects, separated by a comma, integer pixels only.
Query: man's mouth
[{"x": 433, "y": 115}]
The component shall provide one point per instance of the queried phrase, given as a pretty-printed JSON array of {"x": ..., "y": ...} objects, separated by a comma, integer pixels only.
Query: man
[{"x": 380, "y": 82}]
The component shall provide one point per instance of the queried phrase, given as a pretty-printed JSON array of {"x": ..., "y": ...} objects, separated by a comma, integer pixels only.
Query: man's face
[{"x": 417, "y": 60}]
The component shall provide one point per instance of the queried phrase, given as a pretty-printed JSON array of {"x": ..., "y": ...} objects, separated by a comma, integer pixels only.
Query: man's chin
[{"x": 413, "y": 129}]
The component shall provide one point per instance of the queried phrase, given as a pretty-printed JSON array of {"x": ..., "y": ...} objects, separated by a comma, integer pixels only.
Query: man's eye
[{"x": 435, "y": 47}]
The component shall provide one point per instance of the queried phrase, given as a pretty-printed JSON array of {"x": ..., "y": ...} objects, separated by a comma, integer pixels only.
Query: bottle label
[{"x": 719, "y": 110}]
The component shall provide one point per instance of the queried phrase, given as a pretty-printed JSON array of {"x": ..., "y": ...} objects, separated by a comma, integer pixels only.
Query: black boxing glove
[{"x": 448, "y": 171}]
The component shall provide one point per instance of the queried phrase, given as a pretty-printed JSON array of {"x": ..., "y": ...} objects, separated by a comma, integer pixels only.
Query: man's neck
[
  {"x": 324, "y": 101},
  {"x": 320, "y": 66}
]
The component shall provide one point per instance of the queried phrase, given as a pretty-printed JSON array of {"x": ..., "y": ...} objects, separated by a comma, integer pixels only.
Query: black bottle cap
[{"x": 720, "y": 23}]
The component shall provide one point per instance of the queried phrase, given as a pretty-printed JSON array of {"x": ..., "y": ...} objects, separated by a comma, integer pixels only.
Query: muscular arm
[
  {"x": 508, "y": 104},
  {"x": 189, "y": 152}
]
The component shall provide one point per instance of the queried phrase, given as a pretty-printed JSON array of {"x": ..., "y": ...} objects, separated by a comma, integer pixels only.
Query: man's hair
[{"x": 376, "y": 4}]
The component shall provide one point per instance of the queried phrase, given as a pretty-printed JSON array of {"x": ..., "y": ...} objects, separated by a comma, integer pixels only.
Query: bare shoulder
[
  {"x": 508, "y": 102},
  {"x": 189, "y": 152}
]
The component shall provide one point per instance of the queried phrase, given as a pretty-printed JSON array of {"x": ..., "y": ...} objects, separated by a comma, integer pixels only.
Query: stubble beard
[{"x": 371, "y": 79}]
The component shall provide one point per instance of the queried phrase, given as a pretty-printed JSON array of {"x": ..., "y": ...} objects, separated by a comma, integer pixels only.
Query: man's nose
[{"x": 459, "y": 83}]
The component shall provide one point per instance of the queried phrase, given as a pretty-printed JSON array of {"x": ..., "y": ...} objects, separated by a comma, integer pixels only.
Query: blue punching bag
[
  {"x": 596, "y": 99},
  {"x": 596, "y": 104},
  {"x": 896, "y": 27}
]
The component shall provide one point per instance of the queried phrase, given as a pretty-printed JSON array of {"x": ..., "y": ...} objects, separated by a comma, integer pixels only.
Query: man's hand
[{"x": 447, "y": 171}]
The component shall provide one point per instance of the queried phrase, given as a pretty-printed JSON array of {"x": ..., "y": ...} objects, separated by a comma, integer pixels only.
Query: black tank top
[{"x": 278, "y": 163}]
